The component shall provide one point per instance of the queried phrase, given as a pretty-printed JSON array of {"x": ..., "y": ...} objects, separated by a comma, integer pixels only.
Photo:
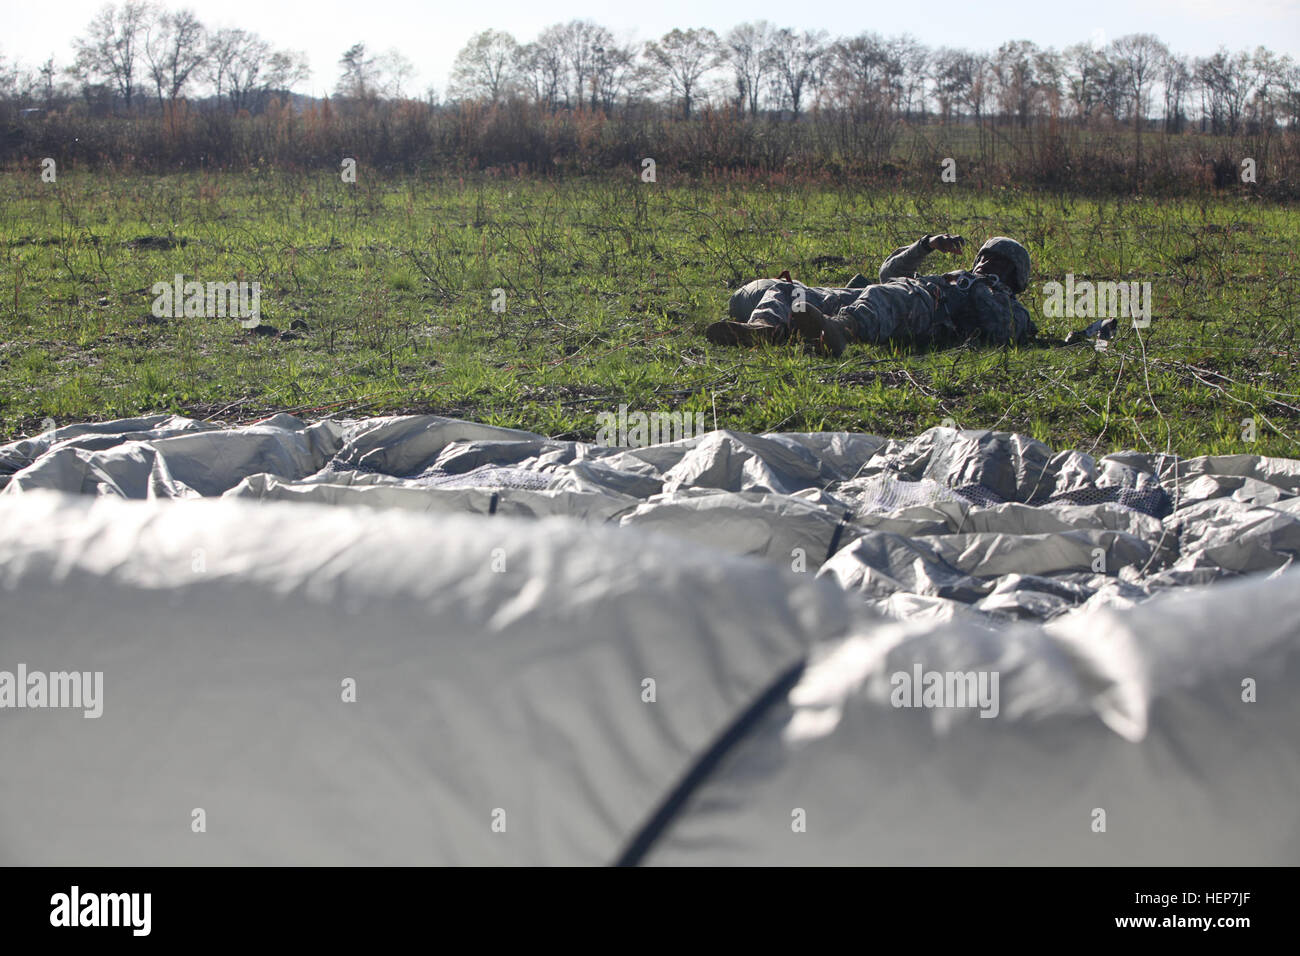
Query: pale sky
[{"x": 429, "y": 34}]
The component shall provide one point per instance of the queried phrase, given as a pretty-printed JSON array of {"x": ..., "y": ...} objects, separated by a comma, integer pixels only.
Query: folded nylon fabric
[
  {"x": 993, "y": 522},
  {"x": 418, "y": 640},
  {"x": 321, "y": 684}
]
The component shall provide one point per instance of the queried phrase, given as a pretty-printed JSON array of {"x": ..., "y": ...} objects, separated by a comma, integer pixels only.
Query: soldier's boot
[
  {"x": 827, "y": 336},
  {"x": 744, "y": 333}
]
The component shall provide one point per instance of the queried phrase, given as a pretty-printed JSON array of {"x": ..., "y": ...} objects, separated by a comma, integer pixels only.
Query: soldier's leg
[
  {"x": 903, "y": 310},
  {"x": 768, "y": 320},
  {"x": 827, "y": 335},
  {"x": 745, "y": 299},
  {"x": 856, "y": 322}
]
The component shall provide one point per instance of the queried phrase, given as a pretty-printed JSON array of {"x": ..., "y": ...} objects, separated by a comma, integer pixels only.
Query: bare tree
[
  {"x": 861, "y": 69},
  {"x": 285, "y": 69},
  {"x": 222, "y": 48},
  {"x": 1224, "y": 89},
  {"x": 1085, "y": 72},
  {"x": 544, "y": 65},
  {"x": 1116, "y": 97},
  {"x": 1139, "y": 56},
  {"x": 580, "y": 41},
  {"x": 110, "y": 50},
  {"x": 1176, "y": 80},
  {"x": 684, "y": 56},
  {"x": 910, "y": 58},
  {"x": 980, "y": 90},
  {"x": 952, "y": 73},
  {"x": 485, "y": 66},
  {"x": 244, "y": 68},
  {"x": 1267, "y": 78},
  {"x": 795, "y": 58},
  {"x": 1016, "y": 76},
  {"x": 393, "y": 71},
  {"x": 613, "y": 68},
  {"x": 174, "y": 49},
  {"x": 1049, "y": 75},
  {"x": 747, "y": 50}
]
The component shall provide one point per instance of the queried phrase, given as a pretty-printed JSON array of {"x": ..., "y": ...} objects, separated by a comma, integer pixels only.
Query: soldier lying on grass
[{"x": 902, "y": 307}]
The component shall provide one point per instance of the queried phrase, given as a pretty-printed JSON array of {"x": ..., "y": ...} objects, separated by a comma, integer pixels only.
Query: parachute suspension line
[
  {"x": 644, "y": 839},
  {"x": 839, "y": 533}
]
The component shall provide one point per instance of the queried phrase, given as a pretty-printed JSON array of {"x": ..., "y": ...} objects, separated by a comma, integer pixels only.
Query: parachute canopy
[{"x": 420, "y": 640}]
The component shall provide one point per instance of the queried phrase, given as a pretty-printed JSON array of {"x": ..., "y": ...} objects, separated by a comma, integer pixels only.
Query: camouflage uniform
[{"x": 903, "y": 306}]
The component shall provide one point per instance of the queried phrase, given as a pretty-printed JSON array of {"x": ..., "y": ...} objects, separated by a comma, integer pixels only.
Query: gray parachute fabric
[{"x": 684, "y": 653}]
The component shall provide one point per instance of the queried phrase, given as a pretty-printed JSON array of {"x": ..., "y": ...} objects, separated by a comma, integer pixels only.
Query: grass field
[{"x": 608, "y": 285}]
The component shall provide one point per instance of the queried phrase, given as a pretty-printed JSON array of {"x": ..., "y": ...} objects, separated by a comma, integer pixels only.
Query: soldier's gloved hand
[{"x": 946, "y": 243}]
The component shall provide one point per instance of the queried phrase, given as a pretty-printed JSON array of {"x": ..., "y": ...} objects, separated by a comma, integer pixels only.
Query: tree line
[
  {"x": 137, "y": 55},
  {"x": 136, "y": 50},
  {"x": 760, "y": 68},
  {"x": 153, "y": 88}
]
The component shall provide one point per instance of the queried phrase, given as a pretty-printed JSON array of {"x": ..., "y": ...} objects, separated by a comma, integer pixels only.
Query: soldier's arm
[
  {"x": 905, "y": 260},
  {"x": 1025, "y": 327},
  {"x": 999, "y": 317}
]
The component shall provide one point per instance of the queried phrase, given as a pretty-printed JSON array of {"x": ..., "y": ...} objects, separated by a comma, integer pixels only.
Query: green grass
[{"x": 608, "y": 287}]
